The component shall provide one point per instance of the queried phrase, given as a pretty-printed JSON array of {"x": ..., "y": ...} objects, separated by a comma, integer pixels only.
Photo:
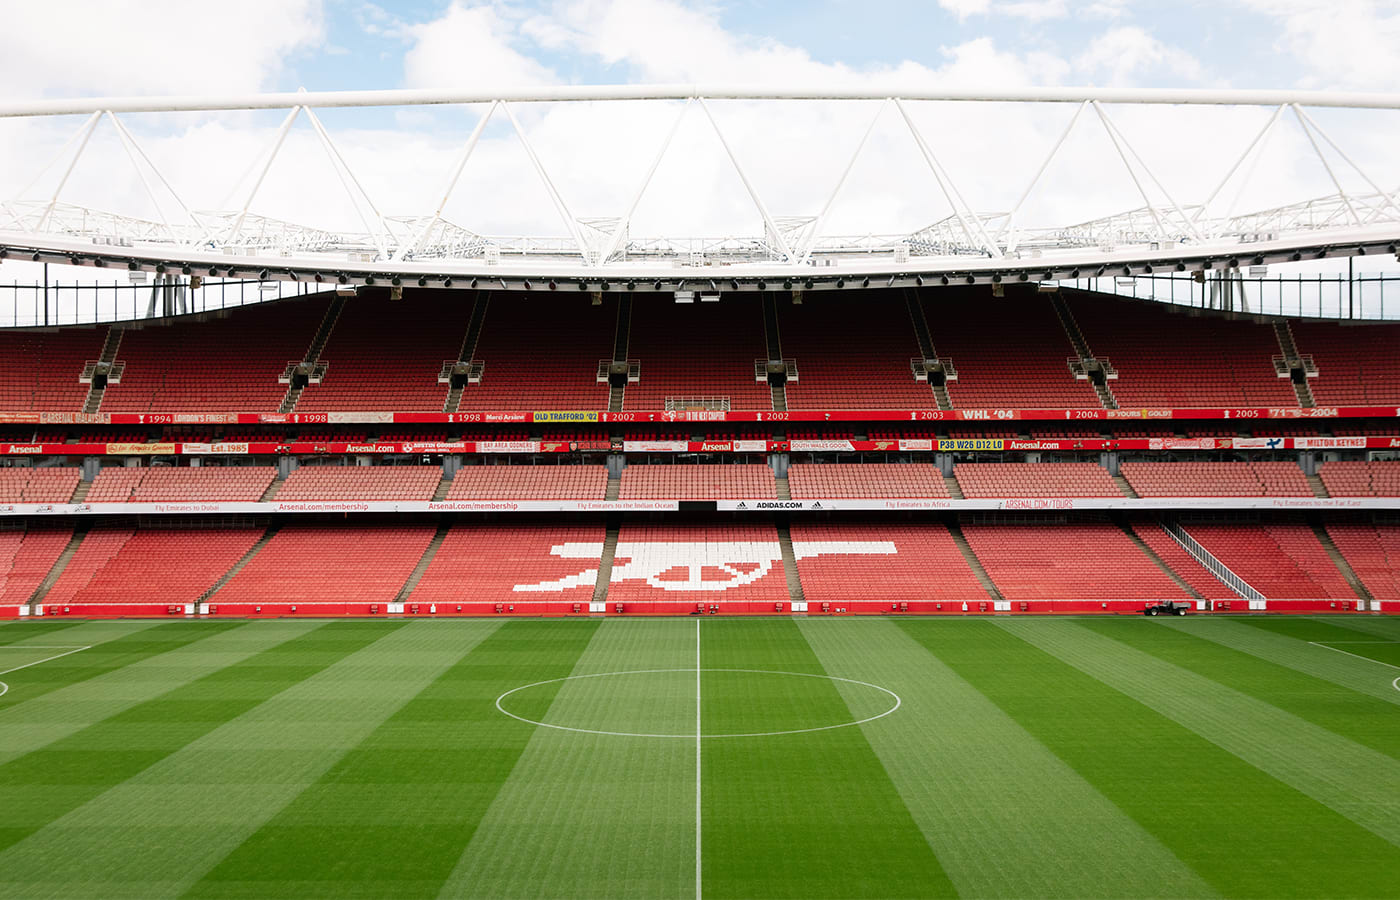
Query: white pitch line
[
  {"x": 697, "y": 760},
  {"x": 1317, "y": 644},
  {"x": 45, "y": 659}
]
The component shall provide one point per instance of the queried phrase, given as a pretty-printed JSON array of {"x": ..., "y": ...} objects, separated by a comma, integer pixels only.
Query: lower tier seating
[
  {"x": 897, "y": 562},
  {"x": 1070, "y": 561},
  {"x": 1361, "y": 479},
  {"x": 1035, "y": 480},
  {"x": 680, "y": 562},
  {"x": 32, "y": 485},
  {"x": 361, "y": 483},
  {"x": 1373, "y": 552},
  {"x": 224, "y": 484},
  {"x": 27, "y": 554},
  {"x": 1280, "y": 561},
  {"x": 691, "y": 482},
  {"x": 1217, "y": 479},
  {"x": 330, "y": 563},
  {"x": 529, "y": 483},
  {"x": 118, "y": 564},
  {"x": 1181, "y": 562},
  {"x": 513, "y": 562},
  {"x": 821, "y": 481}
]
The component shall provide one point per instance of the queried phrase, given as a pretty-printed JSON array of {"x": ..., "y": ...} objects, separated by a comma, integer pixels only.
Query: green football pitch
[{"x": 783, "y": 757}]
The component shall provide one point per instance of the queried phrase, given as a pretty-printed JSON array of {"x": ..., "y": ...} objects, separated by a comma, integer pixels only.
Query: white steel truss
[{"x": 409, "y": 243}]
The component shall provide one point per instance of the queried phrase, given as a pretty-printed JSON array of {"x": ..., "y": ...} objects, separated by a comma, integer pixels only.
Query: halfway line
[{"x": 697, "y": 760}]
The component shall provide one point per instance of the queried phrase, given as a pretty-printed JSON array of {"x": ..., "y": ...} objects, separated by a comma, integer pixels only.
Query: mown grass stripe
[
  {"x": 984, "y": 790},
  {"x": 115, "y": 646},
  {"x": 1365, "y": 720},
  {"x": 37, "y": 788},
  {"x": 1384, "y": 627},
  {"x": 1363, "y": 785},
  {"x": 218, "y": 790},
  {"x": 393, "y": 814},
  {"x": 587, "y": 815},
  {"x": 797, "y": 815},
  {"x": 1294, "y": 651},
  {"x": 1241, "y": 830},
  {"x": 16, "y": 630}
]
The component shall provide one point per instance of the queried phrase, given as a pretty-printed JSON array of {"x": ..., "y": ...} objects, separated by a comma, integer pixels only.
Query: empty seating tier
[
  {"x": 33, "y": 485},
  {"x": 1280, "y": 561},
  {"x": 1181, "y": 562},
  {"x": 695, "y": 482},
  {"x": 1357, "y": 365},
  {"x": 360, "y": 483},
  {"x": 529, "y": 483},
  {"x": 513, "y": 562},
  {"x": 218, "y": 365},
  {"x": 819, "y": 481},
  {"x": 1361, "y": 479},
  {"x": 1373, "y": 552},
  {"x": 1010, "y": 352},
  {"x": 214, "y": 484},
  {"x": 330, "y": 563},
  {"x": 542, "y": 352},
  {"x": 681, "y": 562},
  {"x": 26, "y": 556},
  {"x": 697, "y": 352},
  {"x": 1217, "y": 479},
  {"x": 896, "y": 562},
  {"x": 980, "y": 480},
  {"x": 387, "y": 355},
  {"x": 1072, "y": 561},
  {"x": 852, "y": 354},
  {"x": 153, "y": 565},
  {"x": 39, "y": 370}
]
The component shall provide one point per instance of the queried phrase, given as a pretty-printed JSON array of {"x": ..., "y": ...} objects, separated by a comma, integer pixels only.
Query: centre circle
[{"x": 662, "y": 703}]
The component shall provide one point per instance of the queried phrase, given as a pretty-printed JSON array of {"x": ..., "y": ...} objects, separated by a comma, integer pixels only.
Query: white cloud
[
  {"x": 964, "y": 8},
  {"x": 1121, "y": 53},
  {"x": 468, "y": 47},
  {"x": 1340, "y": 43},
  {"x": 78, "y": 47}
]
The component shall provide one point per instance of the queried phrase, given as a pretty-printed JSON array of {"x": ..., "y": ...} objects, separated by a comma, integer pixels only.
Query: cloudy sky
[{"x": 596, "y": 153}]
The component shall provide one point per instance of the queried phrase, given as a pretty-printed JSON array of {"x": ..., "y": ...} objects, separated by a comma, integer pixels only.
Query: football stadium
[{"x": 997, "y": 558}]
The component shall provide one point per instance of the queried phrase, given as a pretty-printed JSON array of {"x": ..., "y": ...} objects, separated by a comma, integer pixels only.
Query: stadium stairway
[
  {"x": 313, "y": 352},
  {"x": 954, "y": 489},
  {"x": 272, "y": 489},
  {"x": 1160, "y": 563},
  {"x": 784, "y": 487},
  {"x": 773, "y": 341},
  {"x": 1081, "y": 349},
  {"x": 1295, "y": 361},
  {"x": 93, "y": 403},
  {"x": 1318, "y": 488},
  {"x": 622, "y": 335},
  {"x": 794, "y": 581},
  {"x": 605, "y": 564},
  {"x": 468, "y": 349},
  {"x": 440, "y": 494},
  {"x": 1340, "y": 561},
  {"x": 1123, "y": 486},
  {"x": 973, "y": 562},
  {"x": 925, "y": 338},
  {"x": 261, "y": 542},
  {"x": 56, "y": 570},
  {"x": 80, "y": 492},
  {"x": 426, "y": 559},
  {"x": 614, "y": 486}
]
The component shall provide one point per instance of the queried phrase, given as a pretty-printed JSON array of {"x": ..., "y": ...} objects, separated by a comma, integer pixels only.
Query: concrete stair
[
  {"x": 93, "y": 402},
  {"x": 313, "y": 352},
  {"x": 1340, "y": 561},
  {"x": 600, "y": 587},
  {"x": 58, "y": 566},
  {"x": 973, "y": 562},
  {"x": 224, "y": 579},
  {"x": 272, "y": 490},
  {"x": 1318, "y": 488},
  {"x": 424, "y": 561},
  {"x": 784, "y": 488},
  {"x": 794, "y": 581},
  {"x": 440, "y": 494},
  {"x": 954, "y": 489},
  {"x": 1124, "y": 486},
  {"x": 1160, "y": 563}
]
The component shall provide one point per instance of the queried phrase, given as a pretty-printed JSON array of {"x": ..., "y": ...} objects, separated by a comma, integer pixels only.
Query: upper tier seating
[
  {"x": 1280, "y": 561},
  {"x": 694, "y": 351},
  {"x": 1357, "y": 365},
  {"x": 1181, "y": 562},
  {"x": 513, "y": 562},
  {"x": 1074, "y": 561},
  {"x": 1355, "y": 478},
  {"x": 344, "y": 562},
  {"x": 896, "y": 562},
  {"x": 1217, "y": 479},
  {"x": 1166, "y": 359},
  {"x": 695, "y": 482},
  {"x": 567, "y": 482},
  {"x": 223, "y": 484},
  {"x": 158, "y": 565},
  {"x": 541, "y": 351},
  {"x": 680, "y": 562},
  {"x": 819, "y": 481},
  {"x": 386, "y": 355},
  {"x": 1009, "y": 352},
  {"x": 23, "y": 484},
  {"x": 852, "y": 354},
  {"x": 360, "y": 483},
  {"x": 26, "y": 556},
  {"x": 1373, "y": 552},
  {"x": 39, "y": 370},
  {"x": 1035, "y": 480},
  {"x": 218, "y": 365}
]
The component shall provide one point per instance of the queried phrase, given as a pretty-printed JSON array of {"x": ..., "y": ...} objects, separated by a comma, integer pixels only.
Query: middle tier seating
[
  {"x": 1354, "y": 478},
  {"x": 1277, "y": 478},
  {"x": 743, "y": 481},
  {"x": 567, "y": 482},
  {"x": 25, "y": 484},
  {"x": 213, "y": 484},
  {"x": 894, "y": 562},
  {"x": 345, "y": 562},
  {"x": 819, "y": 481},
  {"x": 1070, "y": 561},
  {"x": 1279, "y": 560},
  {"x": 983, "y": 480},
  {"x": 360, "y": 483},
  {"x": 513, "y": 562}
]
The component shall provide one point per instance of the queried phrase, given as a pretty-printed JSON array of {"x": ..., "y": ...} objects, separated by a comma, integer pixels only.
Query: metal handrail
[{"x": 1217, "y": 568}]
